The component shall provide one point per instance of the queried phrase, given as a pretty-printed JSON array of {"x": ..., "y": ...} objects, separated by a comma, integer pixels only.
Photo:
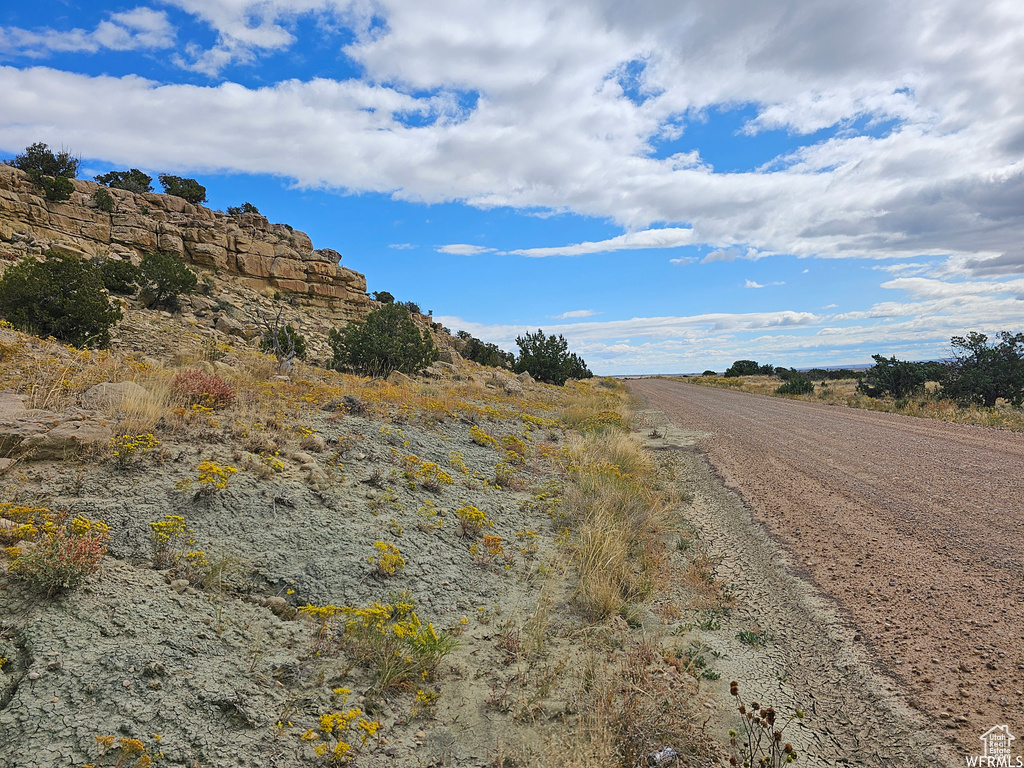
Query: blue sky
[{"x": 670, "y": 185}]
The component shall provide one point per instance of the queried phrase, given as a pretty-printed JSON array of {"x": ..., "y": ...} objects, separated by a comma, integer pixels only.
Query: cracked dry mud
[{"x": 910, "y": 533}]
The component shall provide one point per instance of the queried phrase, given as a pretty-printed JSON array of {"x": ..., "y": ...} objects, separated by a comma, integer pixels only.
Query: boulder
[
  {"x": 112, "y": 394},
  {"x": 450, "y": 356},
  {"x": 398, "y": 378},
  {"x": 230, "y": 326},
  {"x": 67, "y": 439}
]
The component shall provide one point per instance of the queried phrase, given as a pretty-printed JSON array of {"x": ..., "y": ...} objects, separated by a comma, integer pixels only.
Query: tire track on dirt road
[{"x": 913, "y": 528}]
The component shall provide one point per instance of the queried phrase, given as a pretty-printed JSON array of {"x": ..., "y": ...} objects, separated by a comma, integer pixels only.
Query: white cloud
[
  {"x": 683, "y": 261},
  {"x": 574, "y": 313},
  {"x": 752, "y": 284},
  {"x": 669, "y": 237},
  {"x": 402, "y": 246},
  {"x": 139, "y": 28},
  {"x": 463, "y": 249},
  {"x": 545, "y": 124}
]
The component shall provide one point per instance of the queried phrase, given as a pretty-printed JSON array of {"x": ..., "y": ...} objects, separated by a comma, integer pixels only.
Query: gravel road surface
[{"x": 913, "y": 528}]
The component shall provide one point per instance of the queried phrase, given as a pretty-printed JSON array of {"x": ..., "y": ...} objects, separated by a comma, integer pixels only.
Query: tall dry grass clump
[{"x": 617, "y": 521}]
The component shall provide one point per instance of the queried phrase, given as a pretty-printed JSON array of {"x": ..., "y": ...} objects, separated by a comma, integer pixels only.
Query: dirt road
[{"x": 914, "y": 528}]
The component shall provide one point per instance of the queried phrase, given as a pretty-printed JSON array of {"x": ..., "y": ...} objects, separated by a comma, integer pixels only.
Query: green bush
[
  {"x": 889, "y": 376},
  {"x": 61, "y": 297},
  {"x": 486, "y": 353},
  {"x": 796, "y": 383},
  {"x": 383, "y": 297},
  {"x": 709, "y": 372},
  {"x": 286, "y": 336},
  {"x": 547, "y": 358},
  {"x": 133, "y": 180},
  {"x": 189, "y": 190},
  {"x": 52, "y": 172},
  {"x": 387, "y": 341},
  {"x": 120, "y": 277},
  {"x": 238, "y": 210},
  {"x": 164, "y": 278},
  {"x": 743, "y": 368},
  {"x": 104, "y": 200},
  {"x": 981, "y": 373}
]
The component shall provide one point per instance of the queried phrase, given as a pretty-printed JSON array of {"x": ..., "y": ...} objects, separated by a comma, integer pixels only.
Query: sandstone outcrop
[{"x": 263, "y": 256}]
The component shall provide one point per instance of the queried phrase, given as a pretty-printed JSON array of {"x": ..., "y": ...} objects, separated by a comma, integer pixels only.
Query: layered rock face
[{"x": 263, "y": 256}]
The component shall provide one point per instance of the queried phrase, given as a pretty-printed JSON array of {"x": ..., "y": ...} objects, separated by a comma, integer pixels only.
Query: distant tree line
[{"x": 978, "y": 373}]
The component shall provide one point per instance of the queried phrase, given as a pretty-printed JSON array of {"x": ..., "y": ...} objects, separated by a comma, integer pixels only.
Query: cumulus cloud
[
  {"x": 526, "y": 106},
  {"x": 669, "y": 237},
  {"x": 463, "y": 249},
  {"x": 139, "y": 28}
]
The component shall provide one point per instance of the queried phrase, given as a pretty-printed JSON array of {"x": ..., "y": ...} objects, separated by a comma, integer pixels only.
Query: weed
[
  {"x": 388, "y": 560},
  {"x": 386, "y": 637},
  {"x": 206, "y": 389},
  {"x": 762, "y": 737},
  {"x": 55, "y": 555},
  {"x": 481, "y": 438},
  {"x": 127, "y": 448},
  {"x": 752, "y": 638},
  {"x": 473, "y": 520}
]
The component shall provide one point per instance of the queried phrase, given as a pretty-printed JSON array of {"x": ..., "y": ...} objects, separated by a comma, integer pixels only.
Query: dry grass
[{"x": 617, "y": 523}]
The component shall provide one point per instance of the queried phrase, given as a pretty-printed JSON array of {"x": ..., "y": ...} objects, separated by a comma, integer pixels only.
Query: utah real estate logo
[{"x": 996, "y": 750}]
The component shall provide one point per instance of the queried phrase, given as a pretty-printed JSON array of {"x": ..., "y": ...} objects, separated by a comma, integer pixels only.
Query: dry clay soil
[{"x": 913, "y": 531}]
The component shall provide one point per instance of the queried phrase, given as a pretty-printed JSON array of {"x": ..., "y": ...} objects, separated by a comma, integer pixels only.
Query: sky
[{"x": 670, "y": 184}]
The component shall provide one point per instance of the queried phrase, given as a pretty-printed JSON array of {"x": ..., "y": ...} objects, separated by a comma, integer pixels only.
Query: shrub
[
  {"x": 981, "y": 373},
  {"x": 709, "y": 372},
  {"x": 206, "y": 389},
  {"x": 52, "y": 172},
  {"x": 899, "y": 378},
  {"x": 104, "y": 200},
  {"x": 61, "y": 297},
  {"x": 62, "y": 558},
  {"x": 743, "y": 368},
  {"x": 58, "y": 188},
  {"x": 133, "y": 180},
  {"x": 486, "y": 353},
  {"x": 383, "y": 297},
  {"x": 547, "y": 358},
  {"x": 287, "y": 339},
  {"x": 387, "y": 341},
  {"x": 796, "y": 383},
  {"x": 121, "y": 277},
  {"x": 388, "y": 560},
  {"x": 387, "y": 638},
  {"x": 189, "y": 190},
  {"x": 164, "y": 278},
  {"x": 238, "y": 210}
]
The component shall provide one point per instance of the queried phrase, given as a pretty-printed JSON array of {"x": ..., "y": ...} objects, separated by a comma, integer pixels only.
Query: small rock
[
  {"x": 53, "y": 666},
  {"x": 179, "y": 585},
  {"x": 126, "y": 683},
  {"x": 33, "y": 675},
  {"x": 421, "y": 734}
]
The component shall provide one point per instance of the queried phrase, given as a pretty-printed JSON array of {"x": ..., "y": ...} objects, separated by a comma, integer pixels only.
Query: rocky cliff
[{"x": 270, "y": 258}]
